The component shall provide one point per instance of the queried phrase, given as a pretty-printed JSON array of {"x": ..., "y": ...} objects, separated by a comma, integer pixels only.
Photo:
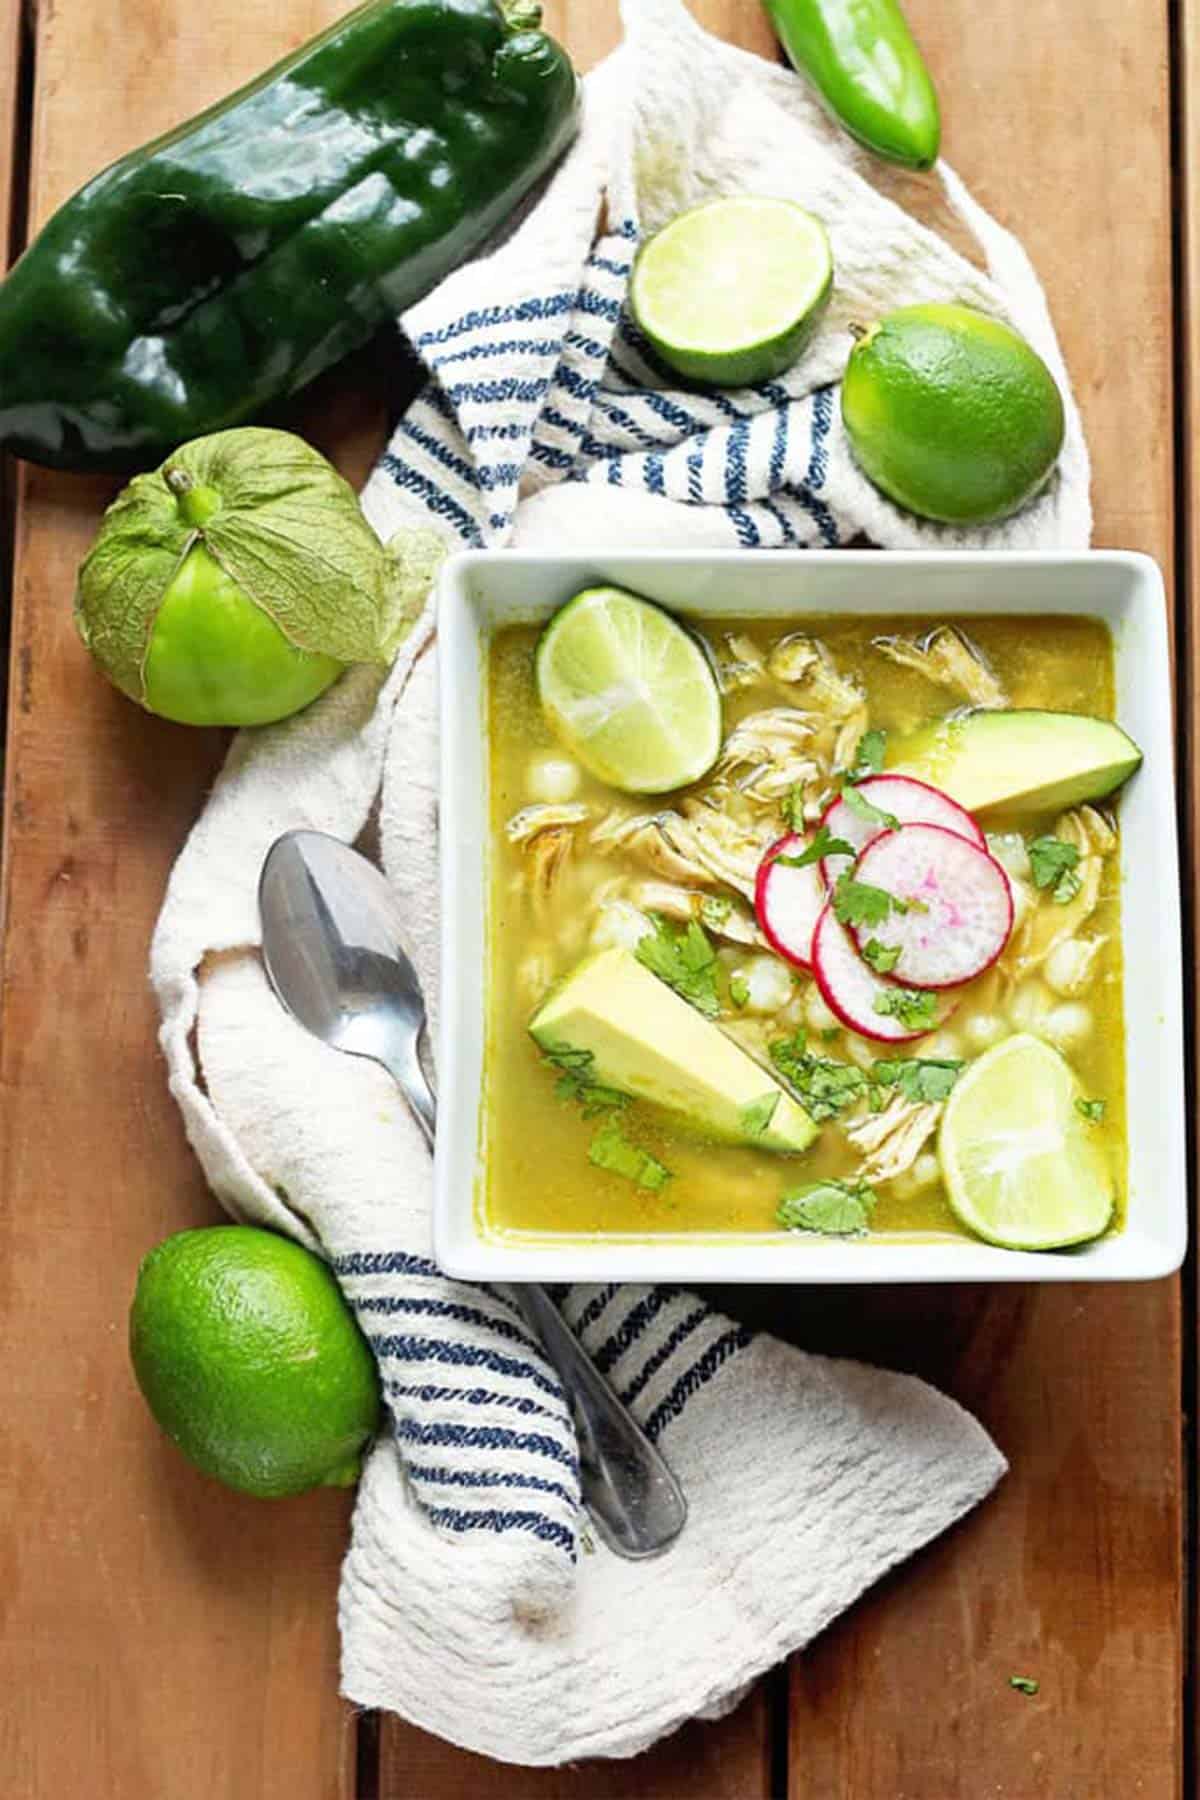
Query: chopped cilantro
[
  {"x": 925, "y": 1079},
  {"x": 1024, "y": 1684},
  {"x": 862, "y": 808},
  {"x": 823, "y": 1086},
  {"x": 858, "y": 903},
  {"x": 868, "y": 756},
  {"x": 915, "y": 1009},
  {"x": 715, "y": 910},
  {"x": 685, "y": 960},
  {"x": 739, "y": 990},
  {"x": 831, "y": 1034},
  {"x": 1055, "y": 865},
  {"x": 793, "y": 807},
  {"x": 834, "y": 1208},
  {"x": 1091, "y": 1109},
  {"x": 823, "y": 844},
  {"x": 578, "y": 1082},
  {"x": 757, "y": 1116},
  {"x": 882, "y": 957},
  {"x": 611, "y": 1149}
]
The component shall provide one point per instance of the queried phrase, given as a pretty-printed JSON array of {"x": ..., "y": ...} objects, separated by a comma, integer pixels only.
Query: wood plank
[
  {"x": 10, "y": 36},
  {"x": 161, "y": 1636},
  {"x": 1072, "y": 1573}
]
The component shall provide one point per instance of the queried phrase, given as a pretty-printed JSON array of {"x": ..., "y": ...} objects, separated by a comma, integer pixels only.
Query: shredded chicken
[
  {"x": 892, "y": 1140},
  {"x": 729, "y": 848},
  {"x": 720, "y": 917},
  {"x": 946, "y": 658},
  {"x": 531, "y": 821},
  {"x": 643, "y": 836},
  {"x": 743, "y": 665},
  {"x": 766, "y": 755},
  {"x": 548, "y": 852},
  {"x": 1049, "y": 923}
]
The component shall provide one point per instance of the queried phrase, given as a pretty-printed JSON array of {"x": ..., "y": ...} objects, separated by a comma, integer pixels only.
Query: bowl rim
[{"x": 468, "y": 608}]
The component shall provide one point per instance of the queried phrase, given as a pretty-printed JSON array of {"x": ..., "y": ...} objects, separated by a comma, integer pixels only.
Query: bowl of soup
[{"x": 808, "y": 917}]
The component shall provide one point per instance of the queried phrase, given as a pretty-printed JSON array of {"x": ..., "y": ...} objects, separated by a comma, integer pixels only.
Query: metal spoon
[{"x": 331, "y": 945}]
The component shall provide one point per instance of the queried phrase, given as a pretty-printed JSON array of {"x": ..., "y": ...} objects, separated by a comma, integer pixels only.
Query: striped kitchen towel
[{"x": 473, "y": 1600}]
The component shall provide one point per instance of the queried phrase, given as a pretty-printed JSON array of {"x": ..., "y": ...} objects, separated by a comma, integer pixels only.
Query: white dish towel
[{"x": 472, "y": 1602}]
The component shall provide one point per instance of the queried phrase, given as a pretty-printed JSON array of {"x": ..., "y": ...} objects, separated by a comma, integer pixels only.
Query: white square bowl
[{"x": 481, "y": 591}]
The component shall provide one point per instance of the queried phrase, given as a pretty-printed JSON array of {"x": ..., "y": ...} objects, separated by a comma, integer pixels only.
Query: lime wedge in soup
[
  {"x": 629, "y": 691},
  {"x": 1024, "y": 1165},
  {"x": 730, "y": 292}
]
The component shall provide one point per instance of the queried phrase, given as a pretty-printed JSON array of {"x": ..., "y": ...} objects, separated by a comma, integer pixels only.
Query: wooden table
[{"x": 165, "y": 1640}]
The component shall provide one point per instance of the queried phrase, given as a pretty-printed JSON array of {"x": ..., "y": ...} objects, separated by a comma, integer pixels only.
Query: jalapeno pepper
[
  {"x": 202, "y": 278},
  {"x": 861, "y": 56}
]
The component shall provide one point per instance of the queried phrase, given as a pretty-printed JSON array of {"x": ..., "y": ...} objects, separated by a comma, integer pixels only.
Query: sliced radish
[
  {"x": 910, "y": 801},
  {"x": 960, "y": 905},
  {"x": 851, "y": 990},
  {"x": 788, "y": 901}
]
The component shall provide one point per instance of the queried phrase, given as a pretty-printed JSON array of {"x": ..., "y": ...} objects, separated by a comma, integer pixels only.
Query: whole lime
[
  {"x": 250, "y": 1359},
  {"x": 951, "y": 413},
  {"x": 232, "y": 585}
]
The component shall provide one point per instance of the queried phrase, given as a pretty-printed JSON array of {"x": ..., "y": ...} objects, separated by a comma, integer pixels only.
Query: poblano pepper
[{"x": 225, "y": 265}]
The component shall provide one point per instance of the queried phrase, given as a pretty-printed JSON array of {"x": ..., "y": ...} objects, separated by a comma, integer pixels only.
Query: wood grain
[
  {"x": 1072, "y": 1573},
  {"x": 161, "y": 1636}
]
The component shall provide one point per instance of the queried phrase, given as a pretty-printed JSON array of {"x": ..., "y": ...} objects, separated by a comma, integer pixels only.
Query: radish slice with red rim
[
  {"x": 958, "y": 905},
  {"x": 861, "y": 999},
  {"x": 788, "y": 901},
  {"x": 901, "y": 797}
]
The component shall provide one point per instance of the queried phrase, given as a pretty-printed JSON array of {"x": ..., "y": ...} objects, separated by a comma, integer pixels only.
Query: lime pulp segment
[
  {"x": 629, "y": 691},
  {"x": 730, "y": 290},
  {"x": 1022, "y": 1167}
]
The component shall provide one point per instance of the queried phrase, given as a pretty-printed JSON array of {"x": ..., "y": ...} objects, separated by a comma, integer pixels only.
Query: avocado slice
[
  {"x": 1019, "y": 761},
  {"x": 649, "y": 1043}
]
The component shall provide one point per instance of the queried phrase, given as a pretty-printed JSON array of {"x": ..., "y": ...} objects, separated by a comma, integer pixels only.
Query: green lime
[
  {"x": 629, "y": 691},
  {"x": 1023, "y": 1167},
  {"x": 250, "y": 1359},
  {"x": 730, "y": 292},
  {"x": 952, "y": 414}
]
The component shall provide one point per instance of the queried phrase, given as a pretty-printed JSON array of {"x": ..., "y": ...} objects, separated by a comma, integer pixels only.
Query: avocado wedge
[
  {"x": 647, "y": 1042},
  {"x": 1018, "y": 761}
]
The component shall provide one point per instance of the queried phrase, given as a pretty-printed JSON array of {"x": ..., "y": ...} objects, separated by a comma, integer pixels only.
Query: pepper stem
[
  {"x": 196, "y": 504},
  {"x": 521, "y": 15}
]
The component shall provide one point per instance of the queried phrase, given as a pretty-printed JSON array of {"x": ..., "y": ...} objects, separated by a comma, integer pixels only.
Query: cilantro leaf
[
  {"x": 833, "y": 1208},
  {"x": 868, "y": 756},
  {"x": 858, "y": 903},
  {"x": 793, "y": 807},
  {"x": 1024, "y": 1684},
  {"x": 577, "y": 1080},
  {"x": 610, "y": 1149},
  {"x": 863, "y": 809},
  {"x": 924, "y": 1079},
  {"x": 685, "y": 960},
  {"x": 1091, "y": 1109},
  {"x": 823, "y": 844},
  {"x": 823, "y": 1086},
  {"x": 1055, "y": 865},
  {"x": 756, "y": 1117},
  {"x": 715, "y": 910},
  {"x": 915, "y": 1008},
  {"x": 739, "y": 990},
  {"x": 882, "y": 957}
]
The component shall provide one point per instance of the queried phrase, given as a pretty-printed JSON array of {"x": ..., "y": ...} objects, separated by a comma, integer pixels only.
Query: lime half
[
  {"x": 1022, "y": 1167},
  {"x": 629, "y": 691},
  {"x": 730, "y": 292}
]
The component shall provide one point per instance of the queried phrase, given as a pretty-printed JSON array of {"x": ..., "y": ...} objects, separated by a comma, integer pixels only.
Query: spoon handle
[{"x": 635, "y": 1502}]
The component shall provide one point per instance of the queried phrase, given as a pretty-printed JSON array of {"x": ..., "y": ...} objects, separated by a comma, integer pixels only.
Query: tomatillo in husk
[{"x": 235, "y": 583}]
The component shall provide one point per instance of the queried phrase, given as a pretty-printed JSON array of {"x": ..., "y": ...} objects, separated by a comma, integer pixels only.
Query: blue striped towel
[{"x": 472, "y": 1600}]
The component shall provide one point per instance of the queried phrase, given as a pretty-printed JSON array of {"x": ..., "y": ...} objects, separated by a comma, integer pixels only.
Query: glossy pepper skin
[
  {"x": 861, "y": 56},
  {"x": 225, "y": 265}
]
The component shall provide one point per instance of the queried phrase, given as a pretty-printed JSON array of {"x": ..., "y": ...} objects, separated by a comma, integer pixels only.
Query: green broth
[{"x": 537, "y": 1178}]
